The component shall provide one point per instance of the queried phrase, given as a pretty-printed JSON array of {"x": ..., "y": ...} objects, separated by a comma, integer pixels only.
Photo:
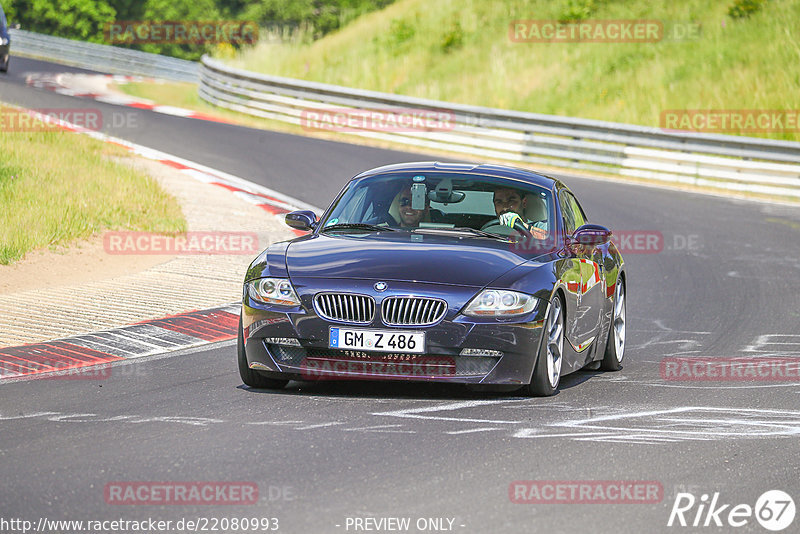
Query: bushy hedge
[{"x": 87, "y": 20}]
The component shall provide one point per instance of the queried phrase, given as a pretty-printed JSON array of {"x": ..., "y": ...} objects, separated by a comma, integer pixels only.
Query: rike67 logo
[{"x": 774, "y": 510}]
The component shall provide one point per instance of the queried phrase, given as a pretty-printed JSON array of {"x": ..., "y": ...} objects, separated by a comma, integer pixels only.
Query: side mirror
[
  {"x": 591, "y": 235},
  {"x": 304, "y": 220}
]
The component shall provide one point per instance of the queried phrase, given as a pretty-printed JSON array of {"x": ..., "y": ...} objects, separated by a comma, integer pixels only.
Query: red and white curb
[
  {"x": 63, "y": 84},
  {"x": 79, "y": 356},
  {"x": 151, "y": 337}
]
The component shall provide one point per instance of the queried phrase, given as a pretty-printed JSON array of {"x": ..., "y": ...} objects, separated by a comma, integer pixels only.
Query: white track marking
[
  {"x": 651, "y": 427},
  {"x": 472, "y": 430},
  {"x": 58, "y": 417},
  {"x": 275, "y": 423},
  {"x": 706, "y": 387},
  {"x": 196, "y": 421},
  {"x": 660, "y": 324},
  {"x": 199, "y": 176},
  {"x": 415, "y": 413},
  {"x": 320, "y": 425},
  {"x": 693, "y": 423},
  {"x": 380, "y": 428},
  {"x": 775, "y": 344},
  {"x": 687, "y": 340},
  {"x": 171, "y": 110},
  {"x": 26, "y": 416},
  {"x": 116, "y": 100}
]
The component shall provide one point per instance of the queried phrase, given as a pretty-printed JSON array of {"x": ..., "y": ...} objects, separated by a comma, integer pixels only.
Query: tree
[
  {"x": 75, "y": 19},
  {"x": 175, "y": 10}
]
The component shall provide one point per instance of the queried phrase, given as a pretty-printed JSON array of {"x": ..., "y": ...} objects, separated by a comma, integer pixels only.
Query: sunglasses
[{"x": 405, "y": 201}]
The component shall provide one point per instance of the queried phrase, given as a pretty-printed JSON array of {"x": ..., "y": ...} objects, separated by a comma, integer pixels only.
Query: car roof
[{"x": 482, "y": 169}]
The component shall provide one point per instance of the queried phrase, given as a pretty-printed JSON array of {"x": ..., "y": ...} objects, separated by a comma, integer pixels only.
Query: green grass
[
  {"x": 460, "y": 51},
  {"x": 180, "y": 94},
  {"x": 58, "y": 187}
]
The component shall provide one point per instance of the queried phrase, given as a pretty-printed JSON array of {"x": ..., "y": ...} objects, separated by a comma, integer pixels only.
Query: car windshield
[{"x": 446, "y": 202}]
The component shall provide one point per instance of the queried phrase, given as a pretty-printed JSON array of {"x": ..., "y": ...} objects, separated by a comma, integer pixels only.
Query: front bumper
[{"x": 504, "y": 353}]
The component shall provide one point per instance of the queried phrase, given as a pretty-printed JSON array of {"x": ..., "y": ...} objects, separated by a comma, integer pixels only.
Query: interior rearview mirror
[{"x": 444, "y": 193}]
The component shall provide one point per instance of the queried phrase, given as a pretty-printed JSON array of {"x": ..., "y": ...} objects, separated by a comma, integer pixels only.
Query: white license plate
[{"x": 378, "y": 340}]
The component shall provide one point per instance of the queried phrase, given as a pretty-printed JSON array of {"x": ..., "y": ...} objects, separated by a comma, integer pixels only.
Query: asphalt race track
[{"x": 723, "y": 283}]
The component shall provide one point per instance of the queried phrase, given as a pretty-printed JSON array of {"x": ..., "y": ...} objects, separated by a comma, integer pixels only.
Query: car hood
[{"x": 409, "y": 256}]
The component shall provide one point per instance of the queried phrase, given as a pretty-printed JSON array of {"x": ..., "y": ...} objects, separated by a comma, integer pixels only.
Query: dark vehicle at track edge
[
  {"x": 5, "y": 42},
  {"x": 415, "y": 273}
]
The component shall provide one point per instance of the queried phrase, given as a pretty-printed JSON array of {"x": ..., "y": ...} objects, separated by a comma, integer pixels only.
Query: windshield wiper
[
  {"x": 463, "y": 229},
  {"x": 358, "y": 226},
  {"x": 482, "y": 233}
]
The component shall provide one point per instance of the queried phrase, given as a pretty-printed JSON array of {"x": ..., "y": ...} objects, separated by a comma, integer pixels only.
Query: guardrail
[
  {"x": 707, "y": 160},
  {"x": 103, "y": 58}
]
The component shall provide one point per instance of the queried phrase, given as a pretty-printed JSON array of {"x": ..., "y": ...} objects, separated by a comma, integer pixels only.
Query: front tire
[
  {"x": 252, "y": 378},
  {"x": 547, "y": 372},
  {"x": 615, "y": 344}
]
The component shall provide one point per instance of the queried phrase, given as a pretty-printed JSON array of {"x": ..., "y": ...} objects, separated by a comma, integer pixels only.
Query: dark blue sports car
[{"x": 477, "y": 274}]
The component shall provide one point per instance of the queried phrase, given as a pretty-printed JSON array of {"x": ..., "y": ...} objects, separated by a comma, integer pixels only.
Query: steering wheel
[{"x": 518, "y": 226}]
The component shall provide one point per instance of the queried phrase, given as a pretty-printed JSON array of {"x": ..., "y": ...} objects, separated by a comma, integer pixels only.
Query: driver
[{"x": 509, "y": 204}]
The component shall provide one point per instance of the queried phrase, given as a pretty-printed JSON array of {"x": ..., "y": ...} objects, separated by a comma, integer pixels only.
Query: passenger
[
  {"x": 509, "y": 205},
  {"x": 402, "y": 212}
]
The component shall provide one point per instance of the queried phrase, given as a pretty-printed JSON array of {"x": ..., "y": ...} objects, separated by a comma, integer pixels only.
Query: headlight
[
  {"x": 273, "y": 291},
  {"x": 500, "y": 303}
]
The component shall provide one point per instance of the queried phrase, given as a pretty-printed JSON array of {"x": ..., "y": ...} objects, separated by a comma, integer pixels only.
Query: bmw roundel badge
[{"x": 380, "y": 286}]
